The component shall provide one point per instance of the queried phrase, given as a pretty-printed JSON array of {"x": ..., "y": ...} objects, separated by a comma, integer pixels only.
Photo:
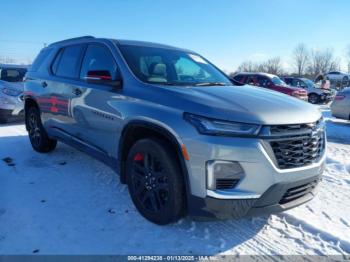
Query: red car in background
[{"x": 272, "y": 82}]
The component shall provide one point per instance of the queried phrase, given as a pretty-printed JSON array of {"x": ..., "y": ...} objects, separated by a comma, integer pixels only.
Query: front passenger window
[{"x": 98, "y": 62}]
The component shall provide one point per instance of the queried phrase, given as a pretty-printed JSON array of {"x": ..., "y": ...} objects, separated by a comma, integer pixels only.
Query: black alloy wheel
[
  {"x": 155, "y": 181},
  {"x": 37, "y": 134}
]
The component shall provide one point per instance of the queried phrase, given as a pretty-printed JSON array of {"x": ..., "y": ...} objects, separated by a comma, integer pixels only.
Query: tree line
[{"x": 305, "y": 62}]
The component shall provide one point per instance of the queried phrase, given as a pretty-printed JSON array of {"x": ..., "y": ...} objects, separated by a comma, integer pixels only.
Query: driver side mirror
[{"x": 103, "y": 77}]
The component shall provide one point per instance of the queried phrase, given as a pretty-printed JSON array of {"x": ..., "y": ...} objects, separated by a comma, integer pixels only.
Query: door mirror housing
[{"x": 103, "y": 77}]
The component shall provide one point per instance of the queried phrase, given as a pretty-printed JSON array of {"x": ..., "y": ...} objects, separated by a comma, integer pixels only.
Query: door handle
[
  {"x": 44, "y": 84},
  {"x": 77, "y": 91}
]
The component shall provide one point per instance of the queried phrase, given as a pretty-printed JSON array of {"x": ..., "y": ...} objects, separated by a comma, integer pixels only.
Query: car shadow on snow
[
  {"x": 10, "y": 122},
  {"x": 85, "y": 203},
  {"x": 338, "y": 131}
]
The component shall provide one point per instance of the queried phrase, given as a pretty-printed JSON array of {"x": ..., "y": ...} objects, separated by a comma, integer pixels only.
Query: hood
[
  {"x": 19, "y": 86},
  {"x": 238, "y": 103}
]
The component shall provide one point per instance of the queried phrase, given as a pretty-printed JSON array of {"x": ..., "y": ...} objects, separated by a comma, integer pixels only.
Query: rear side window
[
  {"x": 98, "y": 61},
  {"x": 66, "y": 63},
  {"x": 39, "y": 60}
]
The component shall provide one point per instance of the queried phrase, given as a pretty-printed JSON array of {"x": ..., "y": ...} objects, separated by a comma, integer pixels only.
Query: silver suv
[{"x": 183, "y": 137}]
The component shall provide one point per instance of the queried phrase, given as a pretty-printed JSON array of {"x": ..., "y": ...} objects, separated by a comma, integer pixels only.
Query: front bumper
[
  {"x": 326, "y": 97},
  {"x": 11, "y": 106},
  {"x": 272, "y": 201},
  {"x": 260, "y": 189}
]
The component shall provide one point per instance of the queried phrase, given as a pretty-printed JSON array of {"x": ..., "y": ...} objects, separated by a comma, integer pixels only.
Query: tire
[
  {"x": 155, "y": 181},
  {"x": 38, "y": 137},
  {"x": 314, "y": 98}
]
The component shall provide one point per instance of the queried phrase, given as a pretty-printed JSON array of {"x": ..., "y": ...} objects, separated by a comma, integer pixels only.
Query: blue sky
[{"x": 227, "y": 32}]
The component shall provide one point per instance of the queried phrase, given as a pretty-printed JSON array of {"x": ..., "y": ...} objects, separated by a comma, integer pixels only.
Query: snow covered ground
[{"x": 68, "y": 203}]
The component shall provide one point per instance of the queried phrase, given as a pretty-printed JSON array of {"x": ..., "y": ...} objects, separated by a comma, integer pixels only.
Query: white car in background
[
  {"x": 11, "y": 91},
  {"x": 337, "y": 76}
]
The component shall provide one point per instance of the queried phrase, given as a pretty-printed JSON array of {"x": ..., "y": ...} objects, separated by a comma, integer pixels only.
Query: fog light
[{"x": 223, "y": 174}]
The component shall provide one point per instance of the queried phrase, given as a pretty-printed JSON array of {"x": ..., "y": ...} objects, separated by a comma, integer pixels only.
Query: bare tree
[
  {"x": 273, "y": 66},
  {"x": 247, "y": 66},
  {"x": 323, "y": 61},
  {"x": 301, "y": 58},
  {"x": 7, "y": 60}
]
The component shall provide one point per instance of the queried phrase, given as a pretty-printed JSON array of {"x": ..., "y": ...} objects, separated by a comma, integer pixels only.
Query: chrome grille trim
[{"x": 296, "y": 145}]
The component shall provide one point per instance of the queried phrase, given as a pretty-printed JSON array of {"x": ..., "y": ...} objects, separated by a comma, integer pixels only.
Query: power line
[{"x": 22, "y": 42}]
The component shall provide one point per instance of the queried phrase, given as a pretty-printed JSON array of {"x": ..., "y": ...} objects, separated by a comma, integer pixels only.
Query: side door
[
  {"x": 97, "y": 118},
  {"x": 60, "y": 89}
]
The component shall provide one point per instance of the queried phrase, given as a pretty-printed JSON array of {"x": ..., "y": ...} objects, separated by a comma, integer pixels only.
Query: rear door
[{"x": 61, "y": 89}]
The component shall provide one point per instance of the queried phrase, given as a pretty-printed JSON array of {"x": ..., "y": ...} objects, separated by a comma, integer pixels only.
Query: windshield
[
  {"x": 12, "y": 74},
  {"x": 171, "y": 67},
  {"x": 277, "y": 81},
  {"x": 310, "y": 83}
]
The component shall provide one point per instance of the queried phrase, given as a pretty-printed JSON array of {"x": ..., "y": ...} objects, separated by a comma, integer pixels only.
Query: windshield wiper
[{"x": 210, "y": 84}]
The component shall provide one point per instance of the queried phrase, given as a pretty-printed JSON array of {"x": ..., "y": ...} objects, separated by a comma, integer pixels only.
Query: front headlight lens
[
  {"x": 210, "y": 126},
  {"x": 11, "y": 92}
]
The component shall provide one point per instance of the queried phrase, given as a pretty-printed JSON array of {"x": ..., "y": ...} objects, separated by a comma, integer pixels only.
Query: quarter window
[{"x": 39, "y": 60}]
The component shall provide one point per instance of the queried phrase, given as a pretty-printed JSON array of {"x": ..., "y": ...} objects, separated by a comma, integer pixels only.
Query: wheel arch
[
  {"x": 313, "y": 93},
  {"x": 138, "y": 129}
]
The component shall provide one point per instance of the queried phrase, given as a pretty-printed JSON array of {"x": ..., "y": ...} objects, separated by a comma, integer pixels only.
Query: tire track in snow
[{"x": 339, "y": 244}]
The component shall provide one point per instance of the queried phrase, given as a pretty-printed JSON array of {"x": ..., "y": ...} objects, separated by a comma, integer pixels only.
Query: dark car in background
[
  {"x": 272, "y": 82},
  {"x": 315, "y": 93},
  {"x": 11, "y": 91}
]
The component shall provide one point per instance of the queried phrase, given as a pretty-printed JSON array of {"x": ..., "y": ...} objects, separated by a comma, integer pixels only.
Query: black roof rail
[{"x": 73, "y": 39}]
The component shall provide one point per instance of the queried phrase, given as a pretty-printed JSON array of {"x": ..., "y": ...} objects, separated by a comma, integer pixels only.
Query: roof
[
  {"x": 119, "y": 42},
  {"x": 148, "y": 44}
]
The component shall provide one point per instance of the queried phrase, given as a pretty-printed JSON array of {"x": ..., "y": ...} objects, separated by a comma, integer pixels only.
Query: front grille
[
  {"x": 297, "y": 192},
  {"x": 297, "y": 145},
  {"x": 222, "y": 183}
]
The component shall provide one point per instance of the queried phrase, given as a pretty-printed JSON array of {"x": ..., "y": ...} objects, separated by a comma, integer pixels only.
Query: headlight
[
  {"x": 11, "y": 92},
  {"x": 210, "y": 126}
]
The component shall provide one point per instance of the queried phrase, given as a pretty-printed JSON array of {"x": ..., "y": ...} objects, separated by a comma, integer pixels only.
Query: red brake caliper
[{"x": 138, "y": 157}]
